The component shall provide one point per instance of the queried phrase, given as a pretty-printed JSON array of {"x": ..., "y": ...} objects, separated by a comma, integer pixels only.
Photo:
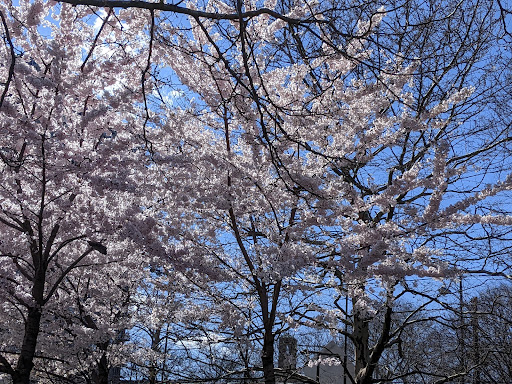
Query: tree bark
[
  {"x": 362, "y": 350},
  {"x": 155, "y": 346},
  {"x": 267, "y": 358},
  {"x": 100, "y": 374},
  {"x": 25, "y": 362},
  {"x": 28, "y": 349}
]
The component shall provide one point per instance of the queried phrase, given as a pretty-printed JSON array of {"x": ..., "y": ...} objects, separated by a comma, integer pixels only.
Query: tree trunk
[
  {"x": 32, "y": 326},
  {"x": 155, "y": 346},
  {"x": 367, "y": 357},
  {"x": 362, "y": 350},
  {"x": 267, "y": 358},
  {"x": 100, "y": 374},
  {"x": 28, "y": 349}
]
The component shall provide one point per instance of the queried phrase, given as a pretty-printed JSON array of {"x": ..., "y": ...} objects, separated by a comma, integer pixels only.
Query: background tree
[
  {"x": 490, "y": 332},
  {"x": 69, "y": 168}
]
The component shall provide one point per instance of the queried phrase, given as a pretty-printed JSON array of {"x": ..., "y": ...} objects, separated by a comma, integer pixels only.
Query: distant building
[
  {"x": 330, "y": 369},
  {"x": 287, "y": 358}
]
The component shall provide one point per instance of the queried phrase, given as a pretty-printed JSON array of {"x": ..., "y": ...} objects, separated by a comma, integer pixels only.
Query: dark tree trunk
[
  {"x": 25, "y": 361},
  {"x": 267, "y": 358},
  {"x": 362, "y": 352},
  {"x": 100, "y": 374},
  {"x": 155, "y": 346},
  {"x": 28, "y": 349},
  {"x": 367, "y": 358}
]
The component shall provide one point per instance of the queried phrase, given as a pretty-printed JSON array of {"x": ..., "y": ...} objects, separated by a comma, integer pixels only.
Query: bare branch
[
  {"x": 13, "y": 59},
  {"x": 162, "y": 6}
]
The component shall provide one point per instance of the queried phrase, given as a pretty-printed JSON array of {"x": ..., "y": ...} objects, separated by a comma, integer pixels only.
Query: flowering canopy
[{"x": 286, "y": 173}]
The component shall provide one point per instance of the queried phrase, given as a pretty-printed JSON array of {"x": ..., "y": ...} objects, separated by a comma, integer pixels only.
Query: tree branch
[
  {"x": 161, "y": 6},
  {"x": 13, "y": 58}
]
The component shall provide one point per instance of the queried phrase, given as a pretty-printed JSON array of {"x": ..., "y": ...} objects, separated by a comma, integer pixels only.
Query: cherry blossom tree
[
  {"x": 72, "y": 184},
  {"x": 307, "y": 162},
  {"x": 316, "y": 168}
]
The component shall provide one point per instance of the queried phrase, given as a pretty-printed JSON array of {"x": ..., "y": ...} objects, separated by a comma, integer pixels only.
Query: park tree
[
  {"x": 71, "y": 186},
  {"x": 309, "y": 169},
  {"x": 376, "y": 182},
  {"x": 310, "y": 151},
  {"x": 488, "y": 332},
  {"x": 466, "y": 342}
]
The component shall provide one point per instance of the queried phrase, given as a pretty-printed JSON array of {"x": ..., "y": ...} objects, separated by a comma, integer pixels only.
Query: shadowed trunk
[
  {"x": 267, "y": 358},
  {"x": 362, "y": 351},
  {"x": 367, "y": 357},
  {"x": 21, "y": 374},
  {"x": 28, "y": 349},
  {"x": 100, "y": 374}
]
